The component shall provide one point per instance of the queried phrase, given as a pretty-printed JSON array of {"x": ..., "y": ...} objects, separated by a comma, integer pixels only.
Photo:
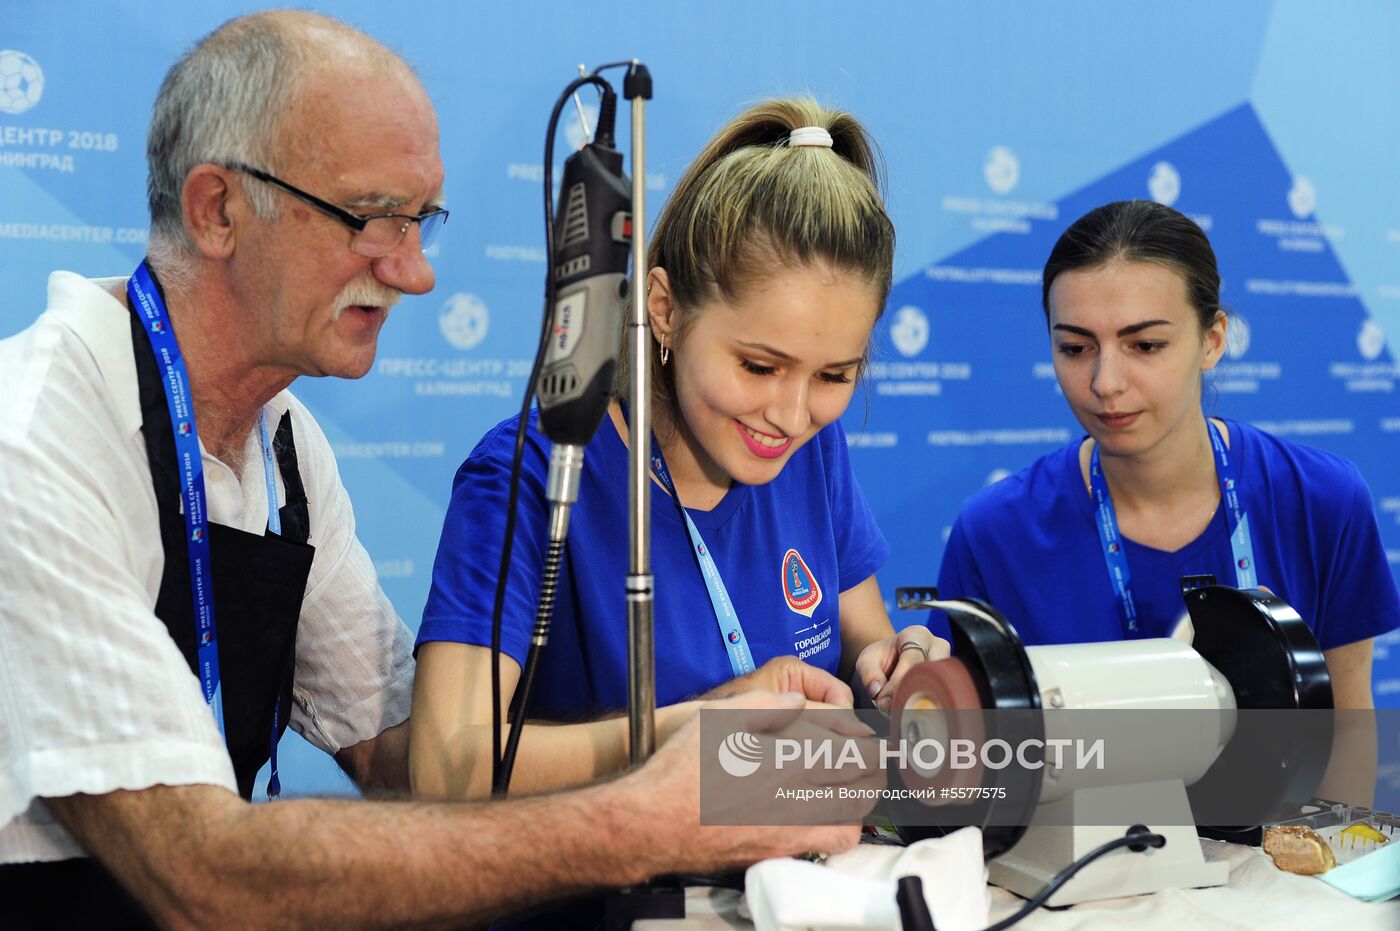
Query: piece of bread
[{"x": 1298, "y": 850}]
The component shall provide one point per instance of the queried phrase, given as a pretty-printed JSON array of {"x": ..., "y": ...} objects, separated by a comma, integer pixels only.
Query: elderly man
[{"x": 156, "y": 566}]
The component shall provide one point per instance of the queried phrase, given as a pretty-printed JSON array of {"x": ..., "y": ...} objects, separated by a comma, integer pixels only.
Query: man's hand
[
  {"x": 669, "y": 788},
  {"x": 788, "y": 674},
  {"x": 882, "y": 664}
]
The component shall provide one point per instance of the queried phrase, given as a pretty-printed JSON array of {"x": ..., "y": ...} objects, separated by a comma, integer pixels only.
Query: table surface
[{"x": 1258, "y": 895}]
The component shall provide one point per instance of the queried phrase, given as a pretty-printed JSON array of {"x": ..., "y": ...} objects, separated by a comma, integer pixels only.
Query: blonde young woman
[{"x": 770, "y": 264}]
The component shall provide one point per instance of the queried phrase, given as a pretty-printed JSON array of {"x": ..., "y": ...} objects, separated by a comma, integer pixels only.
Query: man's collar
[
  {"x": 99, "y": 320},
  {"x": 89, "y": 309}
]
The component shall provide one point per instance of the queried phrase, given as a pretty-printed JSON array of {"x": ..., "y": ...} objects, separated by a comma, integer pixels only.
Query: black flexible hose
[{"x": 544, "y": 612}]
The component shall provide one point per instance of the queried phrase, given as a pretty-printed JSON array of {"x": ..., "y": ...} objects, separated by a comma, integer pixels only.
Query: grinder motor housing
[{"x": 1250, "y": 651}]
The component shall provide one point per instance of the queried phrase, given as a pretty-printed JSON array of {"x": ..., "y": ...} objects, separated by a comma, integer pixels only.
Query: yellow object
[{"x": 1364, "y": 833}]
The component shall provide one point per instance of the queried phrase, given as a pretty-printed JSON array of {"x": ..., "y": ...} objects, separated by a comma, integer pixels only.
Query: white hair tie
[{"x": 809, "y": 135}]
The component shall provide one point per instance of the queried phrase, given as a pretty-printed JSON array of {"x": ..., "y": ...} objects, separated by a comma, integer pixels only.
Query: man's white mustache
[{"x": 366, "y": 294}]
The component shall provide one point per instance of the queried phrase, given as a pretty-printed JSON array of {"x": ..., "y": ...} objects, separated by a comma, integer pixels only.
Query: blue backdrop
[{"x": 1000, "y": 123}]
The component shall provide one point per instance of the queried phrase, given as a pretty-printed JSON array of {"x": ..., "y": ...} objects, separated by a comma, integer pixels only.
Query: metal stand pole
[
  {"x": 641, "y": 690},
  {"x": 660, "y": 898}
]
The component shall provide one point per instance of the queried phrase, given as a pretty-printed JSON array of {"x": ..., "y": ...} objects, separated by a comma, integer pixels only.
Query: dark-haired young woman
[{"x": 1089, "y": 542}]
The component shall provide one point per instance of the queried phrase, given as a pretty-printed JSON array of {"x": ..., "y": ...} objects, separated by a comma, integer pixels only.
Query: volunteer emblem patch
[{"x": 800, "y": 587}]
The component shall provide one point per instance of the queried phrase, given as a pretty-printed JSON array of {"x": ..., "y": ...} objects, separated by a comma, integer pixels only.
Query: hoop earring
[{"x": 664, "y": 354}]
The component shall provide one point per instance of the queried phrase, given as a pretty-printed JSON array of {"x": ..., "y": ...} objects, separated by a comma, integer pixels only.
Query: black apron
[{"x": 259, "y": 582}]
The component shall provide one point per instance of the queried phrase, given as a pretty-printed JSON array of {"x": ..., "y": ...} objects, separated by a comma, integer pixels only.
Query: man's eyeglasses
[{"x": 375, "y": 236}]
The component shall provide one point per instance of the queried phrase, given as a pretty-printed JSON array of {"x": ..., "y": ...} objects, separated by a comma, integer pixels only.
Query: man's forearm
[{"x": 198, "y": 856}]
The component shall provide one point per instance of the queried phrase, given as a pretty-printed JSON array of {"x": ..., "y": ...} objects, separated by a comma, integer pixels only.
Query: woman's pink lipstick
[{"x": 757, "y": 448}]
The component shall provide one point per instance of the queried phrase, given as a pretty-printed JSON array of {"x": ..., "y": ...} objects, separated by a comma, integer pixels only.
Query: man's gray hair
[{"x": 220, "y": 103}]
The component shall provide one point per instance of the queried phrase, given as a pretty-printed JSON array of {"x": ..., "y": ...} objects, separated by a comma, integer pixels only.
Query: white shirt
[{"x": 94, "y": 694}]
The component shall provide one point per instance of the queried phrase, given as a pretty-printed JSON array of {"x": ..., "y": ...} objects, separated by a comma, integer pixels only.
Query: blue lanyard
[
  {"x": 1241, "y": 543},
  {"x": 145, "y": 299},
  {"x": 274, "y": 524},
  {"x": 730, "y": 630},
  {"x": 274, "y": 516}
]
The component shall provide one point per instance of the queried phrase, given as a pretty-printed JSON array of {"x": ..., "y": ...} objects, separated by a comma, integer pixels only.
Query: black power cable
[
  {"x": 1138, "y": 839},
  {"x": 913, "y": 907},
  {"x": 500, "y": 781}
]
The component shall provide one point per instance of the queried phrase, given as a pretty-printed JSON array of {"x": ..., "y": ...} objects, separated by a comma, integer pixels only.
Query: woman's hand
[
  {"x": 882, "y": 664},
  {"x": 788, "y": 674}
]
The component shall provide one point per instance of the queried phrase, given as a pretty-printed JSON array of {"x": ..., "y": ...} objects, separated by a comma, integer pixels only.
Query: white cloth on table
[
  {"x": 856, "y": 889},
  {"x": 94, "y": 695},
  {"x": 1258, "y": 895}
]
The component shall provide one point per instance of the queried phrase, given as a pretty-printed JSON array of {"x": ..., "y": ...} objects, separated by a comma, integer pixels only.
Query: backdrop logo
[
  {"x": 1370, "y": 341},
  {"x": 1001, "y": 169},
  {"x": 909, "y": 330},
  {"x": 464, "y": 320},
  {"x": 1302, "y": 197},
  {"x": 573, "y": 129},
  {"x": 996, "y": 475},
  {"x": 740, "y": 754},
  {"x": 21, "y": 81},
  {"x": 1237, "y": 337},
  {"x": 1164, "y": 184}
]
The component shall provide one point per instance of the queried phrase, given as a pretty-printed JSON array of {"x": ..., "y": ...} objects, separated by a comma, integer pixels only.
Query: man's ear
[
  {"x": 206, "y": 199},
  {"x": 661, "y": 309}
]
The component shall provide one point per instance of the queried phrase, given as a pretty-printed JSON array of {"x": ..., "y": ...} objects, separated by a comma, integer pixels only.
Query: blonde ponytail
[{"x": 750, "y": 204}]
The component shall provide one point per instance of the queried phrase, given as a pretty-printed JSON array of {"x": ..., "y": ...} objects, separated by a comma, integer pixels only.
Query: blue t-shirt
[
  {"x": 814, "y": 508},
  {"x": 1029, "y": 545}
]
